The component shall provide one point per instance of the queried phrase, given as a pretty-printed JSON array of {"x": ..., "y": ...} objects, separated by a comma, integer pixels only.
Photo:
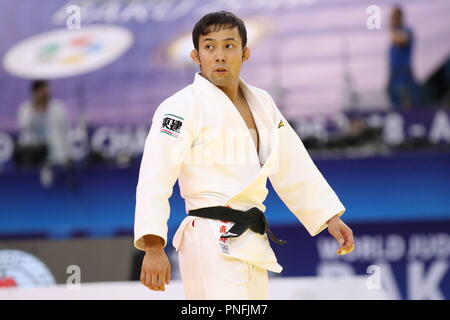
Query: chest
[
  {"x": 230, "y": 126},
  {"x": 244, "y": 110},
  {"x": 246, "y": 114}
]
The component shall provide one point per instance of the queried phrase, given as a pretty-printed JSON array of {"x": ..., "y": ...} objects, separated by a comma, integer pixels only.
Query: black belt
[{"x": 252, "y": 218}]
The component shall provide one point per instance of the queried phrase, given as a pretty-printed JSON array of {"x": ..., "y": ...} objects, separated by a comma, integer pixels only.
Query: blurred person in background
[
  {"x": 403, "y": 90},
  {"x": 43, "y": 138}
]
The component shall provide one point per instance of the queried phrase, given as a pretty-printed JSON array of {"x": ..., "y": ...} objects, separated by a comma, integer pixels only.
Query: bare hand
[
  {"x": 156, "y": 269},
  {"x": 342, "y": 233}
]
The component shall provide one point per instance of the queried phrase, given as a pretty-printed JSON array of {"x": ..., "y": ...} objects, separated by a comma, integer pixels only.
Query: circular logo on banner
[
  {"x": 21, "y": 269},
  {"x": 64, "y": 53}
]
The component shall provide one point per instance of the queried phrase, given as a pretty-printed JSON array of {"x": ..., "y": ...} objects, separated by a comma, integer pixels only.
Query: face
[
  {"x": 396, "y": 18},
  {"x": 220, "y": 56},
  {"x": 41, "y": 96}
]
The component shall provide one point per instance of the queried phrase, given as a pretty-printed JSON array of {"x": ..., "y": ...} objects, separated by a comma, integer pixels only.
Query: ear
[
  {"x": 245, "y": 54},
  {"x": 195, "y": 57}
]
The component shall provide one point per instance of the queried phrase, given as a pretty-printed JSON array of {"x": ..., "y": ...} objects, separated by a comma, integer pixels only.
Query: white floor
[{"x": 299, "y": 288}]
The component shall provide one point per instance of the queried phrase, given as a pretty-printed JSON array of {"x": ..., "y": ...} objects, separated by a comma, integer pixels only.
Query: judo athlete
[{"x": 222, "y": 139}]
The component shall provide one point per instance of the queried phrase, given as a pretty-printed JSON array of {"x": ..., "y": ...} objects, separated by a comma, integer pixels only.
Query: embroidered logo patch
[
  {"x": 171, "y": 125},
  {"x": 281, "y": 124}
]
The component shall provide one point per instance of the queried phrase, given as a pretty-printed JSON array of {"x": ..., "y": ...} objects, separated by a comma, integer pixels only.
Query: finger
[
  {"x": 336, "y": 233},
  {"x": 148, "y": 281},
  {"x": 143, "y": 278},
  {"x": 168, "y": 272},
  {"x": 348, "y": 234},
  {"x": 347, "y": 245},
  {"x": 339, "y": 237},
  {"x": 346, "y": 248},
  {"x": 161, "y": 285},
  {"x": 154, "y": 282}
]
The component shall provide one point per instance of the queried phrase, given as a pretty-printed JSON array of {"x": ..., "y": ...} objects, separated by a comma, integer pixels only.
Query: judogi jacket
[{"x": 199, "y": 137}]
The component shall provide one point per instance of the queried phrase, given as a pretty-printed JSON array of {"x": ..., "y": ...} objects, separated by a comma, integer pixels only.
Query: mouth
[{"x": 221, "y": 70}]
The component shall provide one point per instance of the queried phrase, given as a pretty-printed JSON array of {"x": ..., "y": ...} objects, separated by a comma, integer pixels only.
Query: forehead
[
  {"x": 222, "y": 34},
  {"x": 40, "y": 89}
]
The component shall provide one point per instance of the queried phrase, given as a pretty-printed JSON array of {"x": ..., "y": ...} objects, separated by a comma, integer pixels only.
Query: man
[
  {"x": 403, "y": 90},
  {"x": 43, "y": 137},
  {"x": 202, "y": 136}
]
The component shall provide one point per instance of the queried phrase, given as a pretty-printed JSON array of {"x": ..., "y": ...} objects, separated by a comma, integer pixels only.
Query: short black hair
[
  {"x": 397, "y": 8},
  {"x": 38, "y": 84},
  {"x": 218, "y": 20}
]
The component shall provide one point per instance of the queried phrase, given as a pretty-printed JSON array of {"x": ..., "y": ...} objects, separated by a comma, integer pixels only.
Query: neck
[
  {"x": 232, "y": 91},
  {"x": 40, "y": 105}
]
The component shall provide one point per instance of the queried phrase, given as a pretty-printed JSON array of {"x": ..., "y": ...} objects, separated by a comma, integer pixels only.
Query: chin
[{"x": 219, "y": 81}]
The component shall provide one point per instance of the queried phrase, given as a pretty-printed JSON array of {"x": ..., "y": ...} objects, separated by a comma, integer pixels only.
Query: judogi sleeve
[
  {"x": 169, "y": 140},
  {"x": 299, "y": 183}
]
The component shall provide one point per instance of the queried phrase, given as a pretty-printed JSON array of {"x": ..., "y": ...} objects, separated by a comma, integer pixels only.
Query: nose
[{"x": 220, "y": 56}]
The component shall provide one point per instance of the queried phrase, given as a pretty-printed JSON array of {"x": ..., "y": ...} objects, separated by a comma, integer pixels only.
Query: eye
[
  {"x": 230, "y": 45},
  {"x": 208, "y": 46}
]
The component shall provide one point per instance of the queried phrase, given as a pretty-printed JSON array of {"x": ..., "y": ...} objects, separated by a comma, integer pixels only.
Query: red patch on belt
[{"x": 193, "y": 223}]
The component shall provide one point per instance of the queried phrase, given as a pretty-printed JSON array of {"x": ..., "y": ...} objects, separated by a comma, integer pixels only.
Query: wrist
[
  {"x": 154, "y": 250},
  {"x": 153, "y": 243},
  {"x": 333, "y": 219}
]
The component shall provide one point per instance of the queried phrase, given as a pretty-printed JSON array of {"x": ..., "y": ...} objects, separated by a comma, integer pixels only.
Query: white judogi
[{"x": 199, "y": 137}]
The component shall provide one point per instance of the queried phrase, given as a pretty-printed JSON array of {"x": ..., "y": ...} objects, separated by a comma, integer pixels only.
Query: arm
[
  {"x": 299, "y": 183},
  {"x": 164, "y": 152},
  {"x": 58, "y": 129},
  {"x": 165, "y": 148},
  {"x": 25, "y": 124},
  {"x": 23, "y": 118}
]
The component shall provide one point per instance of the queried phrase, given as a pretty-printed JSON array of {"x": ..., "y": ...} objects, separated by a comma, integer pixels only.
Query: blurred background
[{"x": 366, "y": 85}]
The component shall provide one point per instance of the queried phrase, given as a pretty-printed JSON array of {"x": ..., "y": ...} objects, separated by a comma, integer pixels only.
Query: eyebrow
[{"x": 227, "y": 39}]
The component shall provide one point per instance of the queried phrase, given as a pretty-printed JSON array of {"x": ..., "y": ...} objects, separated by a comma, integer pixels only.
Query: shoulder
[
  {"x": 262, "y": 95},
  {"x": 57, "y": 105},
  {"x": 25, "y": 105},
  {"x": 182, "y": 104},
  {"x": 25, "y": 109},
  {"x": 257, "y": 91},
  {"x": 266, "y": 100},
  {"x": 178, "y": 112},
  {"x": 57, "y": 108}
]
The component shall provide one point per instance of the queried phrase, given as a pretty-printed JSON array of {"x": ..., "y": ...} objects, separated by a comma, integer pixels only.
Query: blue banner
[{"x": 408, "y": 259}]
